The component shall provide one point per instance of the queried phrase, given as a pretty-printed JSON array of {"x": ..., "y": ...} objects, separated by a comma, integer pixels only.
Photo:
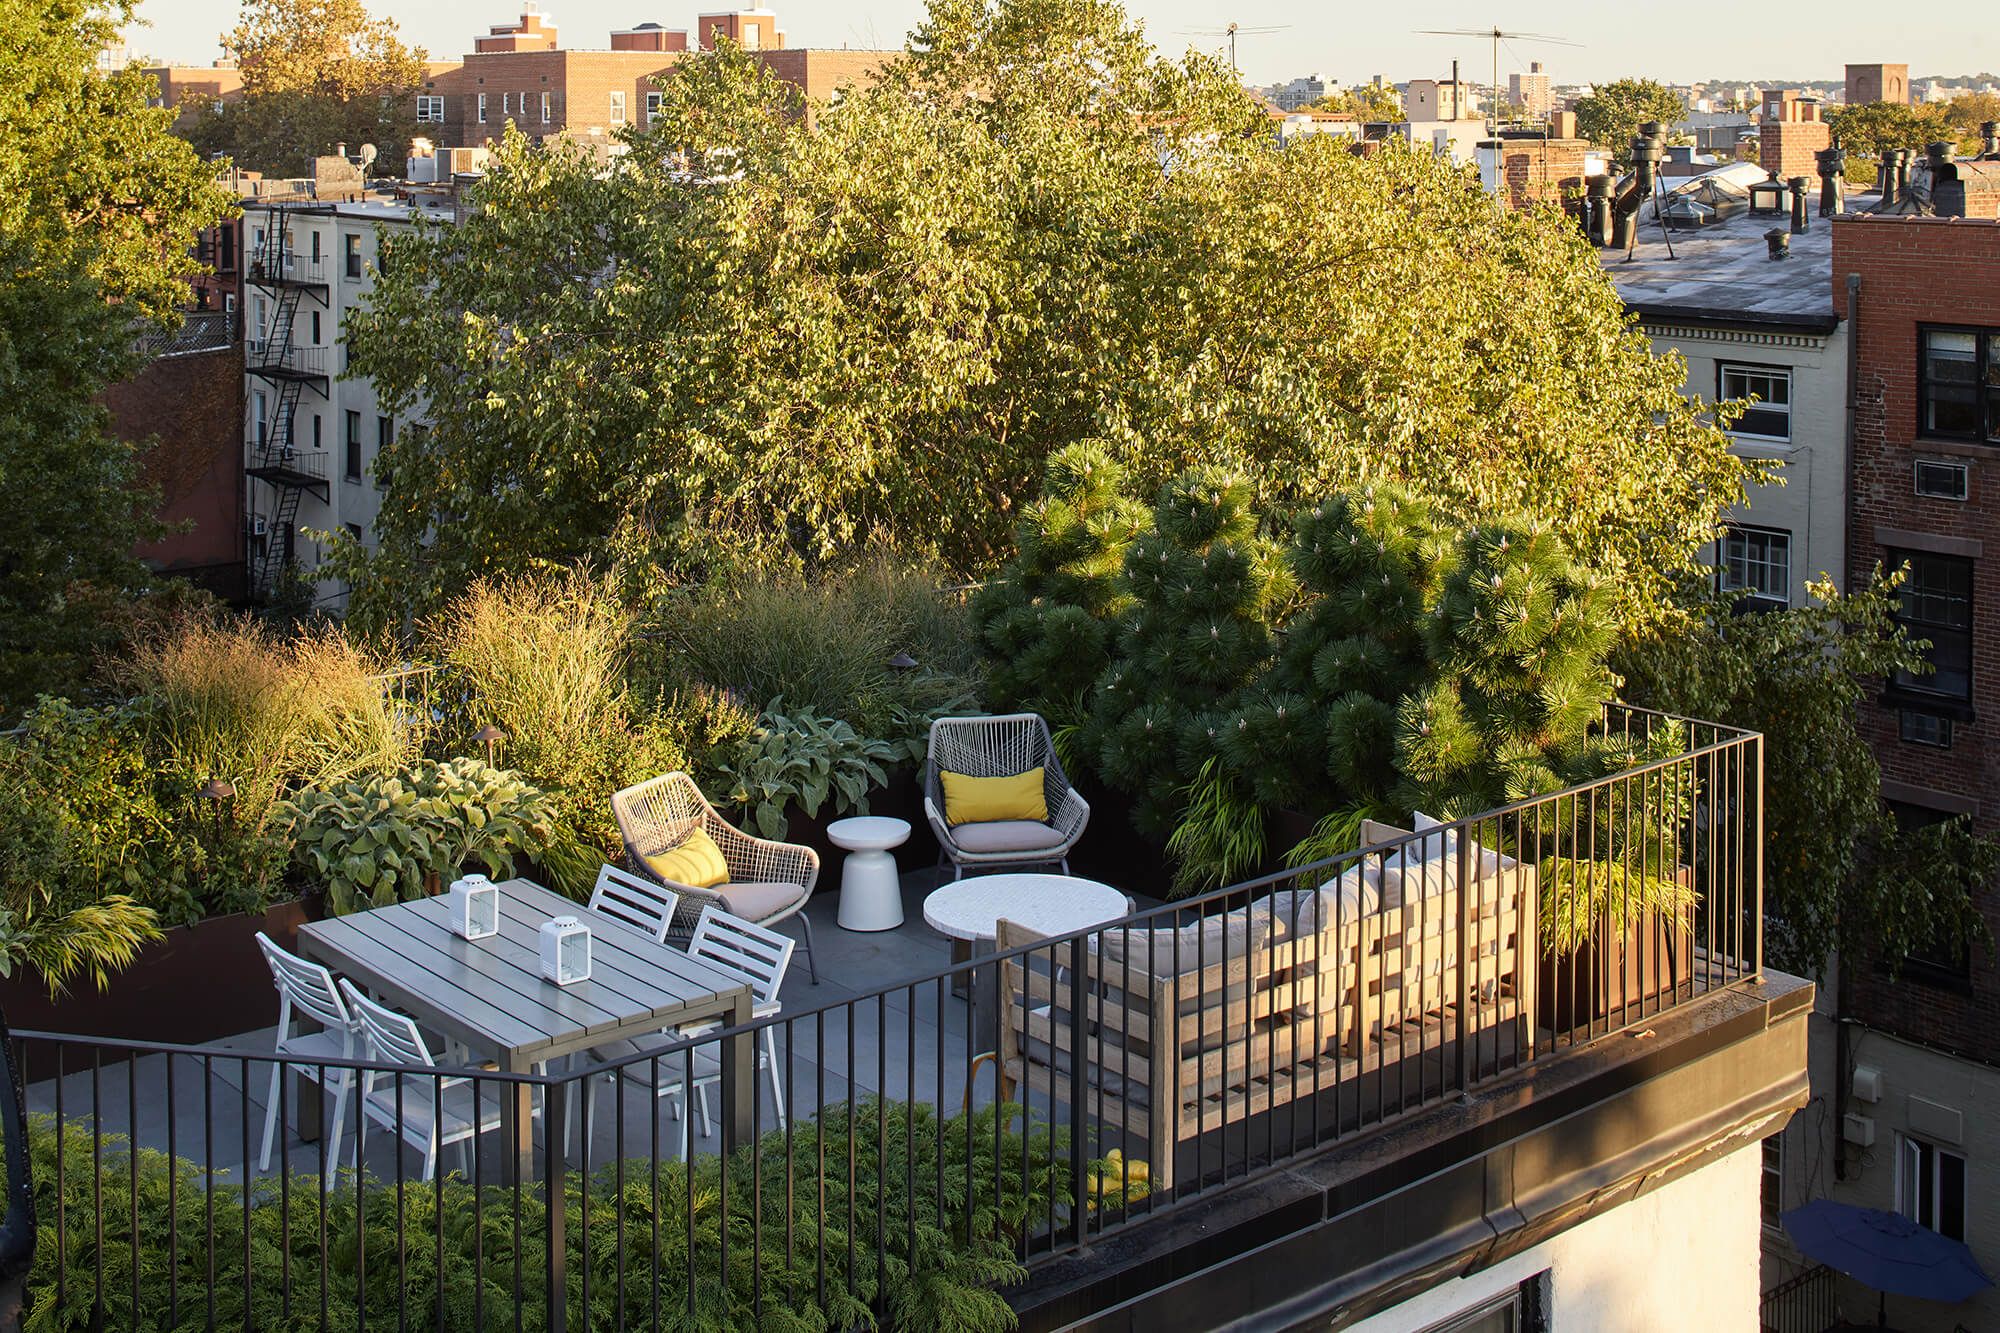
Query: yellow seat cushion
[
  {"x": 970, "y": 800},
  {"x": 697, "y": 862}
]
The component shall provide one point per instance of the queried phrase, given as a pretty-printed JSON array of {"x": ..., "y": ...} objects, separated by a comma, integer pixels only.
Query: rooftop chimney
[
  {"x": 1989, "y": 140},
  {"x": 1832, "y": 164},
  {"x": 1780, "y": 242},
  {"x": 1885, "y": 180},
  {"x": 1799, "y": 186}
]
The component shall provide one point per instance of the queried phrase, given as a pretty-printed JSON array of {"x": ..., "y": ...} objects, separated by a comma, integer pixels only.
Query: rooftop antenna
[
  {"x": 1232, "y": 31},
  {"x": 1496, "y": 36}
]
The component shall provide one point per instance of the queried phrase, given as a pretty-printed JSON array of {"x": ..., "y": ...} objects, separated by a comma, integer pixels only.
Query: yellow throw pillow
[
  {"x": 970, "y": 800},
  {"x": 697, "y": 862}
]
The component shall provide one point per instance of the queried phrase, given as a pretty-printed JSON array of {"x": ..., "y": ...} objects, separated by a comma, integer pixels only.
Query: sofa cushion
[
  {"x": 1163, "y": 951},
  {"x": 1110, "y": 1080},
  {"x": 757, "y": 901},
  {"x": 1338, "y": 903},
  {"x": 1005, "y": 835},
  {"x": 697, "y": 862},
  {"x": 971, "y": 800}
]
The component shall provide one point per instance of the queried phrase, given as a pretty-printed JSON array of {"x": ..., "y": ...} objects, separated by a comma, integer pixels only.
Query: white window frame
[
  {"x": 1910, "y": 1168},
  {"x": 1773, "y": 1174},
  {"x": 545, "y": 108},
  {"x": 1729, "y": 561},
  {"x": 430, "y": 109},
  {"x": 1745, "y": 375},
  {"x": 617, "y": 106},
  {"x": 652, "y": 107},
  {"x": 506, "y": 105},
  {"x": 482, "y": 108}
]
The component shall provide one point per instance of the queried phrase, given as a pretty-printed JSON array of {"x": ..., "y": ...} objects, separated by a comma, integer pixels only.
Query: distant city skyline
[{"x": 1763, "y": 43}]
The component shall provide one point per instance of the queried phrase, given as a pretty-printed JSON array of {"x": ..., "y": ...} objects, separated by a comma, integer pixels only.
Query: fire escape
[{"x": 288, "y": 465}]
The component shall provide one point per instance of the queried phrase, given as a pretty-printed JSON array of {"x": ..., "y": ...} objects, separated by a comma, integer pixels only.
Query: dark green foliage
[
  {"x": 962, "y": 1250},
  {"x": 1206, "y": 587},
  {"x": 1048, "y": 621}
]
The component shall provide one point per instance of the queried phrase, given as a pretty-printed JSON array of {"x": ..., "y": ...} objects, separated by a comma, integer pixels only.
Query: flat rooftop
[{"x": 1725, "y": 272}]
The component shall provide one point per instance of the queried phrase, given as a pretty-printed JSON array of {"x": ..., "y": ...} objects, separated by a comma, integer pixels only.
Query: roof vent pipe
[
  {"x": 1780, "y": 242},
  {"x": 1832, "y": 166},
  {"x": 1885, "y": 180},
  {"x": 1799, "y": 185},
  {"x": 1989, "y": 140},
  {"x": 1904, "y": 156}
]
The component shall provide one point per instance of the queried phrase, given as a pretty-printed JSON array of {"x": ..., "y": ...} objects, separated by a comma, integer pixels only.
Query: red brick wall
[
  {"x": 1537, "y": 169},
  {"x": 579, "y": 85},
  {"x": 1925, "y": 270},
  {"x": 194, "y": 405},
  {"x": 1787, "y": 146}
]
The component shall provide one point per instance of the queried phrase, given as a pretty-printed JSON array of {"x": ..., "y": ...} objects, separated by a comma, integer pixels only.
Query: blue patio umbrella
[{"x": 1886, "y": 1251}]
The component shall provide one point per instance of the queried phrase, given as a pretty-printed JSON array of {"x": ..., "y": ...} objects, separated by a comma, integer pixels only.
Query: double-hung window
[
  {"x": 1930, "y": 1187},
  {"x": 545, "y": 108},
  {"x": 482, "y": 108},
  {"x": 652, "y": 107},
  {"x": 351, "y": 245},
  {"x": 352, "y": 452},
  {"x": 1937, "y": 605},
  {"x": 1770, "y": 417},
  {"x": 430, "y": 109},
  {"x": 1958, "y": 384},
  {"x": 1758, "y": 561},
  {"x": 618, "y": 107}
]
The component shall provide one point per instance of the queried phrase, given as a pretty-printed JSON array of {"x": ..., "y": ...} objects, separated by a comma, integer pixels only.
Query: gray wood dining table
[{"x": 490, "y": 996}]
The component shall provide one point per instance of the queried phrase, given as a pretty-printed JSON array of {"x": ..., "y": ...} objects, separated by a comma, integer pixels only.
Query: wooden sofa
[{"x": 1249, "y": 1011}]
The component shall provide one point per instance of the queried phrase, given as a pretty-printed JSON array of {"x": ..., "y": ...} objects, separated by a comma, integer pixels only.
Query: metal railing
[
  {"x": 301, "y": 462},
  {"x": 937, "y": 1135},
  {"x": 1805, "y": 1303},
  {"x": 269, "y": 356},
  {"x": 277, "y": 263}
]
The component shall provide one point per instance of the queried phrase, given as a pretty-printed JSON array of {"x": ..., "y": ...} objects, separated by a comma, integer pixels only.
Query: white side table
[{"x": 871, "y": 894}]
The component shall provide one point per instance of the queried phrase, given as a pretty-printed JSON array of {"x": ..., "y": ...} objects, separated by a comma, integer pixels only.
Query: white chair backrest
[
  {"x": 305, "y": 986},
  {"x": 634, "y": 901},
  {"x": 758, "y": 954},
  {"x": 392, "y": 1037}
]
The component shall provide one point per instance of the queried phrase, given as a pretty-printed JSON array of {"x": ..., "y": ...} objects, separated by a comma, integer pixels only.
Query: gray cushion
[
  {"x": 756, "y": 902},
  {"x": 1108, "y": 1076},
  {"x": 1005, "y": 835},
  {"x": 1217, "y": 939}
]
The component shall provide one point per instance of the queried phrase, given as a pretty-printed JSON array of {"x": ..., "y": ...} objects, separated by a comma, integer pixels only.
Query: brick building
[
  {"x": 1530, "y": 91},
  {"x": 1877, "y": 83},
  {"x": 519, "y": 73},
  {"x": 195, "y": 88},
  {"x": 1538, "y": 169},
  {"x": 1919, "y": 1055}
]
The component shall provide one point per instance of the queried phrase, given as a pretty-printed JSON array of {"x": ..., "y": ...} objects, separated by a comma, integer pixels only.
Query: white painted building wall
[
  {"x": 1684, "y": 1256},
  {"x": 1809, "y": 504}
]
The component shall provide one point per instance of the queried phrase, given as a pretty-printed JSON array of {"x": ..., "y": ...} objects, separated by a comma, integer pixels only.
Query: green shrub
[
  {"x": 965, "y": 1235},
  {"x": 797, "y": 758},
  {"x": 380, "y": 840}
]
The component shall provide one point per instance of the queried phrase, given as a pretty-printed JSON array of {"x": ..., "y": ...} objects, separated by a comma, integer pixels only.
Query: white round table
[
  {"x": 969, "y": 913},
  {"x": 871, "y": 894}
]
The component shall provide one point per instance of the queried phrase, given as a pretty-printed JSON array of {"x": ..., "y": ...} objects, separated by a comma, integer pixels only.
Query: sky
[{"x": 1694, "y": 39}]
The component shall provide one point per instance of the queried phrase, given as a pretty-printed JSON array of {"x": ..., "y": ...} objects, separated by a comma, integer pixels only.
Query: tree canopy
[
  {"x": 99, "y": 206},
  {"x": 315, "y": 73},
  {"x": 1614, "y": 111},
  {"x": 1363, "y": 102},
  {"x": 874, "y": 325}
]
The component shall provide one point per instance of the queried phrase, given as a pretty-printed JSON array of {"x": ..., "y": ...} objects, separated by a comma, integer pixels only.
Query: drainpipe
[{"x": 1843, "y": 1047}]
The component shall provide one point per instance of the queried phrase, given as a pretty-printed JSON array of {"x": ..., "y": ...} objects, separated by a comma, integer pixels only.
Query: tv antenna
[
  {"x": 1232, "y": 31},
  {"x": 1497, "y": 36}
]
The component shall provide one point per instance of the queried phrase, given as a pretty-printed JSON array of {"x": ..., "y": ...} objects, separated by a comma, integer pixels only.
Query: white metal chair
[
  {"x": 768, "y": 881},
  {"x": 436, "y": 1110},
  {"x": 306, "y": 993},
  {"x": 761, "y": 956},
  {"x": 646, "y": 905},
  {"x": 1001, "y": 746}
]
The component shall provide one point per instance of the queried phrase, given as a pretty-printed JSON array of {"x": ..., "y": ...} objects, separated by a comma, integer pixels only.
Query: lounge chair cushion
[
  {"x": 697, "y": 862},
  {"x": 1339, "y": 903},
  {"x": 759, "y": 902},
  {"x": 1163, "y": 951},
  {"x": 1016, "y": 797},
  {"x": 1005, "y": 835},
  {"x": 1110, "y": 1080}
]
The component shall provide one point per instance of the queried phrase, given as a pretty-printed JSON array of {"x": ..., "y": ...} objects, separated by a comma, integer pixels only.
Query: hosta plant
[
  {"x": 798, "y": 757},
  {"x": 380, "y": 840}
]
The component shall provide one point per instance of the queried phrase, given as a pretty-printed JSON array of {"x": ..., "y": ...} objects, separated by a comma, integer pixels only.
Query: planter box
[
  {"x": 199, "y": 984},
  {"x": 1615, "y": 978}
]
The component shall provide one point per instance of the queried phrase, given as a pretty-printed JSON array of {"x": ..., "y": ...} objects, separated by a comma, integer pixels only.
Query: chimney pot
[
  {"x": 1780, "y": 242},
  {"x": 1799, "y": 185}
]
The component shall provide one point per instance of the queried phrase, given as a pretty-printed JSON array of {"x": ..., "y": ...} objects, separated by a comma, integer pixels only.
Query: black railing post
[
  {"x": 17, "y": 1229},
  {"x": 555, "y": 1141},
  {"x": 1079, "y": 1083},
  {"x": 1464, "y": 896}
]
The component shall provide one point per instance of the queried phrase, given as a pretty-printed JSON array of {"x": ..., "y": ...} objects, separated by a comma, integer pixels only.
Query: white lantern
[
  {"x": 565, "y": 950},
  {"x": 475, "y": 907}
]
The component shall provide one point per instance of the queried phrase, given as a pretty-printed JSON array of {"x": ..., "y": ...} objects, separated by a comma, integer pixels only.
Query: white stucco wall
[{"x": 1684, "y": 1256}]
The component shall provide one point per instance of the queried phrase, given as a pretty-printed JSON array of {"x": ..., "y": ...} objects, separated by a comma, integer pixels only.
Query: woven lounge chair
[
  {"x": 997, "y": 747},
  {"x": 768, "y": 881}
]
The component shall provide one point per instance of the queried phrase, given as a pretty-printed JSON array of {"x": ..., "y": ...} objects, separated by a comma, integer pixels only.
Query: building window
[
  {"x": 1771, "y": 1189},
  {"x": 1930, "y": 1187},
  {"x": 1924, "y": 728},
  {"x": 385, "y": 434},
  {"x": 315, "y": 246},
  {"x": 506, "y": 104},
  {"x": 319, "y": 437},
  {"x": 545, "y": 108},
  {"x": 1758, "y": 561},
  {"x": 262, "y": 417},
  {"x": 1958, "y": 384},
  {"x": 752, "y": 34},
  {"x": 315, "y": 328},
  {"x": 352, "y": 452},
  {"x": 352, "y": 242},
  {"x": 1770, "y": 417},
  {"x": 652, "y": 107},
  {"x": 618, "y": 108},
  {"x": 1522, "y": 1309},
  {"x": 482, "y": 108},
  {"x": 430, "y": 110},
  {"x": 354, "y": 530},
  {"x": 1937, "y": 605}
]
